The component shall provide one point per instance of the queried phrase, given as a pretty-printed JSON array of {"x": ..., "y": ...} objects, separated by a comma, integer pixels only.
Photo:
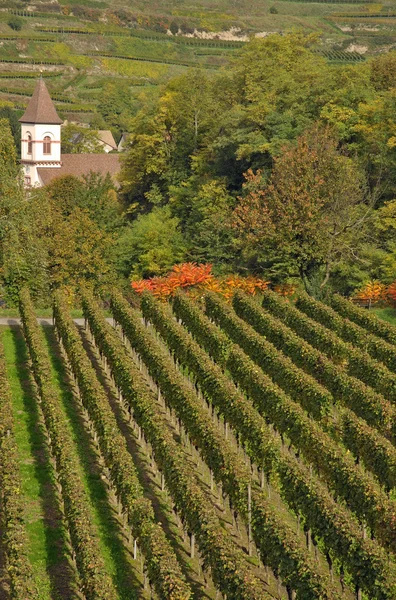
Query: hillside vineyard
[{"x": 237, "y": 450}]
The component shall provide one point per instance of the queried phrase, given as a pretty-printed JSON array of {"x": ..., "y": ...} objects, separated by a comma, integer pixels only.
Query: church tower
[{"x": 41, "y": 135}]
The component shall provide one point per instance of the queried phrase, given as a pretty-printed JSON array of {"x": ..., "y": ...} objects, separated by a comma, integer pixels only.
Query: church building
[{"x": 41, "y": 156}]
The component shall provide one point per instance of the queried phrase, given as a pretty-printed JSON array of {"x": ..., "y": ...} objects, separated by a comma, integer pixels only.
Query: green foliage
[
  {"x": 280, "y": 549},
  {"x": 150, "y": 246},
  {"x": 12, "y": 520},
  {"x": 77, "y": 139},
  {"x": 75, "y": 229},
  {"x": 7, "y": 111},
  {"x": 96, "y": 582},
  {"x": 204, "y": 214},
  {"x": 383, "y": 71},
  {"x": 93, "y": 193},
  {"x": 196, "y": 140},
  {"x": 329, "y": 522},
  {"x": 162, "y": 565},
  {"x": 22, "y": 255},
  {"x": 15, "y": 23}
]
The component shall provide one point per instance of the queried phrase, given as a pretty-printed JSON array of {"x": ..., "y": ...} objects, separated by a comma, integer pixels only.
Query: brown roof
[
  {"x": 82, "y": 164},
  {"x": 105, "y": 136},
  {"x": 41, "y": 109}
]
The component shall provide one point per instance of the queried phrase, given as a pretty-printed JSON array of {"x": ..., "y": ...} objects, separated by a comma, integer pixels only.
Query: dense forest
[{"x": 280, "y": 165}]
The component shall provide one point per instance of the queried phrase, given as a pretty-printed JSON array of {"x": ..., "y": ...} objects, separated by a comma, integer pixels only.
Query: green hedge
[
  {"x": 162, "y": 566},
  {"x": 12, "y": 524},
  {"x": 348, "y": 331},
  {"x": 279, "y": 547},
  {"x": 331, "y": 523},
  {"x": 96, "y": 583}
]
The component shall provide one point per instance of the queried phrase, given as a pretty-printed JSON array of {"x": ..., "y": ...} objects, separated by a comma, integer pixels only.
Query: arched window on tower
[
  {"x": 29, "y": 144},
  {"x": 47, "y": 145}
]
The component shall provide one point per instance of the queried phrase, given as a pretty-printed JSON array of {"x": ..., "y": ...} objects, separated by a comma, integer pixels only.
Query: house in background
[
  {"x": 123, "y": 143},
  {"x": 41, "y": 156},
  {"x": 107, "y": 140}
]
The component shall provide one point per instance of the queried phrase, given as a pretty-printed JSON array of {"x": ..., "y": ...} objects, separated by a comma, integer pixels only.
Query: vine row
[
  {"x": 278, "y": 544},
  {"x": 348, "y": 331},
  {"x": 378, "y": 453},
  {"x": 162, "y": 566},
  {"x": 12, "y": 524},
  {"x": 329, "y": 522},
  {"x": 348, "y": 480},
  {"x": 96, "y": 583}
]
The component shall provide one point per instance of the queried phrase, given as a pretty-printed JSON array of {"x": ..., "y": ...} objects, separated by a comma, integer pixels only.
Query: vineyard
[{"x": 240, "y": 448}]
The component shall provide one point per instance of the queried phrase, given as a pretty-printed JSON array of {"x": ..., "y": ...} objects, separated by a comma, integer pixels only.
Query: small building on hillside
[{"x": 41, "y": 156}]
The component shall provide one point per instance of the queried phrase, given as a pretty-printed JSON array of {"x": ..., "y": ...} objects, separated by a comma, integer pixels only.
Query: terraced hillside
[
  {"x": 240, "y": 451},
  {"x": 83, "y": 47}
]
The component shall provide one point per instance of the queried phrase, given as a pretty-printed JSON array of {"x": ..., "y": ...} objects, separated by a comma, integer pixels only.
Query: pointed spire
[{"x": 41, "y": 109}]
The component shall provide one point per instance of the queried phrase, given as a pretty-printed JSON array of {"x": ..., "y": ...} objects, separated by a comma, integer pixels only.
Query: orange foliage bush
[
  {"x": 391, "y": 294},
  {"x": 285, "y": 289},
  {"x": 374, "y": 291},
  {"x": 197, "y": 279}
]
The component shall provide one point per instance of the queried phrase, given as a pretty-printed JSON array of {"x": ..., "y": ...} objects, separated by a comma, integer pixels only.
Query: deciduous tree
[{"x": 311, "y": 212}]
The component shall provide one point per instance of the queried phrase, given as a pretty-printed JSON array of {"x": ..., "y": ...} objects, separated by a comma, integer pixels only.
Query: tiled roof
[
  {"x": 82, "y": 164},
  {"x": 105, "y": 136},
  {"x": 41, "y": 109}
]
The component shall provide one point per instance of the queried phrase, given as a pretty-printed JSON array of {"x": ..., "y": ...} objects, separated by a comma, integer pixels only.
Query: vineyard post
[{"x": 250, "y": 518}]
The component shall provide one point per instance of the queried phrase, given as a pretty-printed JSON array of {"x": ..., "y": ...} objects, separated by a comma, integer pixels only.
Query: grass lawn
[
  {"x": 118, "y": 561},
  {"x": 386, "y": 314},
  {"x": 44, "y": 527},
  {"x": 40, "y": 312}
]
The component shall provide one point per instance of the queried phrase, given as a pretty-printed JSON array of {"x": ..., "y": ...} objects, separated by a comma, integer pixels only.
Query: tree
[
  {"x": 7, "y": 111},
  {"x": 16, "y": 23},
  {"x": 22, "y": 251},
  {"x": 93, "y": 193},
  {"x": 174, "y": 28},
  {"x": 77, "y": 251},
  {"x": 204, "y": 212},
  {"x": 383, "y": 71},
  {"x": 77, "y": 140},
  {"x": 310, "y": 214},
  {"x": 116, "y": 105},
  {"x": 375, "y": 141},
  {"x": 150, "y": 246},
  {"x": 283, "y": 84}
]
